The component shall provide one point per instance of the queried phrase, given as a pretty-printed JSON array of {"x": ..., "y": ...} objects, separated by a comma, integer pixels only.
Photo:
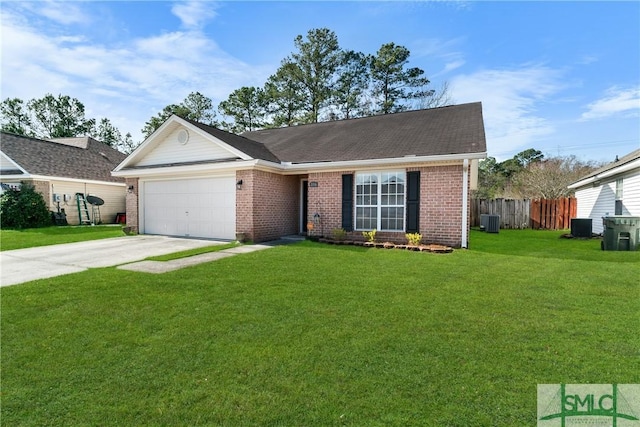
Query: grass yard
[
  {"x": 32, "y": 237},
  {"x": 322, "y": 335}
]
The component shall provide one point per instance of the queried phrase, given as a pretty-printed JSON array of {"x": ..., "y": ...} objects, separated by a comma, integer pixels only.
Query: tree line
[
  {"x": 59, "y": 117},
  {"x": 530, "y": 175},
  {"x": 318, "y": 81}
]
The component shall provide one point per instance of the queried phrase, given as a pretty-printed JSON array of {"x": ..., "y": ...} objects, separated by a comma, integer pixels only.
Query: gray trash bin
[{"x": 620, "y": 233}]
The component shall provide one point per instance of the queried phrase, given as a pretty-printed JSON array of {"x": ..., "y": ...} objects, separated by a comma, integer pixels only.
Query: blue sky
[{"x": 560, "y": 77}]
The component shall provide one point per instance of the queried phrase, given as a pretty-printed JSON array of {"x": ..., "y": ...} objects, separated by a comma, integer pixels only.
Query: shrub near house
[{"x": 23, "y": 207}]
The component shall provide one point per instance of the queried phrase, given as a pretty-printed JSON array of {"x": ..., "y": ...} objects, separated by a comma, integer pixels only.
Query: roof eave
[
  {"x": 295, "y": 168},
  {"x": 190, "y": 169},
  {"x": 388, "y": 162},
  {"x": 635, "y": 164}
]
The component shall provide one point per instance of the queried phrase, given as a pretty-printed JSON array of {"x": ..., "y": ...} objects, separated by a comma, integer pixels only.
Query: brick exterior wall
[
  {"x": 440, "y": 206},
  {"x": 267, "y": 205},
  {"x": 132, "y": 204},
  {"x": 325, "y": 200}
]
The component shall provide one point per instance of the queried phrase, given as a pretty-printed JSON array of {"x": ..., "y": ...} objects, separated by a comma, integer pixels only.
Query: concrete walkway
[
  {"x": 128, "y": 253},
  {"x": 176, "y": 264}
]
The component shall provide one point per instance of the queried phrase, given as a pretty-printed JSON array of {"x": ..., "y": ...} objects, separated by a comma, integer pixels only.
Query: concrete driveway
[{"x": 24, "y": 265}]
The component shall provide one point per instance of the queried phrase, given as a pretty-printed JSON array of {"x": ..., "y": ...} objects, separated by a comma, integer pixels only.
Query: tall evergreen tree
[
  {"x": 284, "y": 97},
  {"x": 352, "y": 84},
  {"x": 107, "y": 133},
  {"x": 394, "y": 84},
  {"x": 13, "y": 117},
  {"x": 194, "y": 107},
  {"x": 316, "y": 62},
  {"x": 247, "y": 107}
]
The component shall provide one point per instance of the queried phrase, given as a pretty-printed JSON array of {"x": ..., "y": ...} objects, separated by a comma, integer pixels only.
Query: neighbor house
[
  {"x": 60, "y": 168},
  {"x": 611, "y": 190},
  {"x": 396, "y": 173}
]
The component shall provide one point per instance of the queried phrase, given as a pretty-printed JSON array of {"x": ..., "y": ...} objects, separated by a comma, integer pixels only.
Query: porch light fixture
[
  {"x": 239, "y": 185},
  {"x": 130, "y": 189}
]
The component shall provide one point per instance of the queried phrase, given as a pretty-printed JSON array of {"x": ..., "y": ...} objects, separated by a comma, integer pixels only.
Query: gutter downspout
[{"x": 465, "y": 202}]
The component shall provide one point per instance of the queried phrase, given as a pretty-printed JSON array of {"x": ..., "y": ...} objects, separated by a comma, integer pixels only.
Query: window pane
[
  {"x": 392, "y": 218},
  {"x": 380, "y": 194},
  {"x": 366, "y": 218}
]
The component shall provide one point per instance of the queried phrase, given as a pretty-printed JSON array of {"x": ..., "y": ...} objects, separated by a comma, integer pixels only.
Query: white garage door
[{"x": 204, "y": 207}]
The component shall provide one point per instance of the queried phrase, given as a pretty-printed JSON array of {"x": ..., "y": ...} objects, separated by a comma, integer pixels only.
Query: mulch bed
[{"x": 432, "y": 248}]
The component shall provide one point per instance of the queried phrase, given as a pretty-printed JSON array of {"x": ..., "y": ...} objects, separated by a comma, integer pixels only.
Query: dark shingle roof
[
  {"x": 457, "y": 129},
  {"x": 40, "y": 157},
  {"x": 239, "y": 142}
]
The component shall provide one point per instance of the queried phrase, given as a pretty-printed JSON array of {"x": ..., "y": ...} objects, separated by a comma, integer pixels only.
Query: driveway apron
[{"x": 24, "y": 265}]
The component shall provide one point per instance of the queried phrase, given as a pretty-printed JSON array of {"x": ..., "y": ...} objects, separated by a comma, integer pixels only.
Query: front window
[{"x": 380, "y": 201}]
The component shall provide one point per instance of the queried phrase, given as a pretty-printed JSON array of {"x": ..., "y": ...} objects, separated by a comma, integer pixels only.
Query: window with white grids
[{"x": 380, "y": 201}]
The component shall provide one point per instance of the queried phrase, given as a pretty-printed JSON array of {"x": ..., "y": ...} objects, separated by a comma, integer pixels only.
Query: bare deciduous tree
[{"x": 549, "y": 178}]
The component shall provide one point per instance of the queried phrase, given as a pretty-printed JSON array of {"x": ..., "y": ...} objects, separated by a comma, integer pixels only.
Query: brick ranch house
[{"x": 396, "y": 173}]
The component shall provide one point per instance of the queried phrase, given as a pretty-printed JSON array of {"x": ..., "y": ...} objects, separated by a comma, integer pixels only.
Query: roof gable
[
  {"x": 49, "y": 158},
  {"x": 182, "y": 141},
  {"x": 457, "y": 129}
]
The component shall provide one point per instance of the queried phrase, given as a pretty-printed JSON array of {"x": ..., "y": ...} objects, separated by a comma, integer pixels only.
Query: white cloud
[
  {"x": 128, "y": 81},
  {"x": 617, "y": 101},
  {"x": 444, "y": 50},
  {"x": 450, "y": 66},
  {"x": 59, "y": 12},
  {"x": 194, "y": 14},
  {"x": 510, "y": 101}
]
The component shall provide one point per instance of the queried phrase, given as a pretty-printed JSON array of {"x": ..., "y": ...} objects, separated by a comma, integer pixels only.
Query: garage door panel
[{"x": 203, "y": 207}]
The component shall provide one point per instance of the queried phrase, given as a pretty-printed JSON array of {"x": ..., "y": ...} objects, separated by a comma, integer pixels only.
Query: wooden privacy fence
[
  {"x": 549, "y": 214},
  {"x": 553, "y": 214}
]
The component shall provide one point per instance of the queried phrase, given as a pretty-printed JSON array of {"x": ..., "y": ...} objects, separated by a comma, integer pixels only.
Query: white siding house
[{"x": 611, "y": 190}]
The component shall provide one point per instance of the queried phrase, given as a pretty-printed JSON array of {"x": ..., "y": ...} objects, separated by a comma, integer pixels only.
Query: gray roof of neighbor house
[
  {"x": 634, "y": 155},
  {"x": 79, "y": 158},
  {"x": 457, "y": 129}
]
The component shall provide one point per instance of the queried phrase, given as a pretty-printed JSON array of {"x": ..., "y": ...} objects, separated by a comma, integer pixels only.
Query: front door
[{"x": 304, "y": 205}]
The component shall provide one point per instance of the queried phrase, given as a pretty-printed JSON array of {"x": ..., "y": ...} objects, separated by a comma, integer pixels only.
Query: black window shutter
[
  {"x": 347, "y": 202},
  {"x": 413, "y": 202}
]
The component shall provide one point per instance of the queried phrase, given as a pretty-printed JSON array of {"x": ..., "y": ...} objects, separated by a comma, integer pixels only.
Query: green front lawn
[
  {"x": 32, "y": 237},
  {"x": 312, "y": 335}
]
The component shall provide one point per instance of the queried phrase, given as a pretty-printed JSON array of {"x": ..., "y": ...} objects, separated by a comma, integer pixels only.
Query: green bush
[
  {"x": 23, "y": 208},
  {"x": 338, "y": 234}
]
